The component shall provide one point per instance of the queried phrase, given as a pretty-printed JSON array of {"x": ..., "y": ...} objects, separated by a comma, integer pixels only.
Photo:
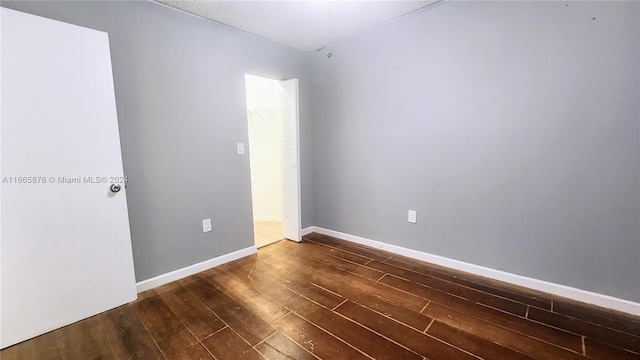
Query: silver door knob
[{"x": 115, "y": 188}]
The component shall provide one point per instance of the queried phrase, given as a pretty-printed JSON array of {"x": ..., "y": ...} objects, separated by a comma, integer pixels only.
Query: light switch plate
[
  {"x": 206, "y": 225},
  {"x": 240, "y": 147},
  {"x": 413, "y": 216}
]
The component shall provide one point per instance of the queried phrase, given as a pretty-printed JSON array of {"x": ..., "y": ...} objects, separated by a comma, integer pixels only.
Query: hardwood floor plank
[
  {"x": 233, "y": 264},
  {"x": 611, "y": 319},
  {"x": 329, "y": 299},
  {"x": 280, "y": 347},
  {"x": 361, "y": 250},
  {"x": 84, "y": 340},
  {"x": 492, "y": 287},
  {"x": 49, "y": 346},
  {"x": 173, "y": 338},
  {"x": 596, "y": 332},
  {"x": 247, "y": 324},
  {"x": 354, "y": 268},
  {"x": 373, "y": 298},
  {"x": 521, "y": 343},
  {"x": 247, "y": 293},
  {"x": 338, "y": 253},
  {"x": 260, "y": 271},
  {"x": 542, "y": 332},
  {"x": 316, "y": 340},
  {"x": 193, "y": 314},
  {"x": 127, "y": 336},
  {"x": 158, "y": 319},
  {"x": 340, "y": 281},
  {"x": 602, "y": 351},
  {"x": 359, "y": 337},
  {"x": 419, "y": 342},
  {"x": 290, "y": 280},
  {"x": 369, "y": 297},
  {"x": 486, "y": 349},
  {"x": 451, "y": 288},
  {"x": 274, "y": 292},
  {"x": 408, "y": 317},
  {"x": 226, "y": 344}
]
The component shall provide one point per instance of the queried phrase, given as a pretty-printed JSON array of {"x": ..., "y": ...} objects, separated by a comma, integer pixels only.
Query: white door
[
  {"x": 65, "y": 241},
  {"x": 290, "y": 160}
]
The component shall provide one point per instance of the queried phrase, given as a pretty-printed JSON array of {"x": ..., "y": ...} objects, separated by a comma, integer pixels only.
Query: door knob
[{"x": 115, "y": 188}]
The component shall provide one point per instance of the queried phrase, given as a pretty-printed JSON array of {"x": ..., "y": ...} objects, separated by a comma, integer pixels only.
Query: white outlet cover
[
  {"x": 413, "y": 216},
  {"x": 240, "y": 147},
  {"x": 206, "y": 225}
]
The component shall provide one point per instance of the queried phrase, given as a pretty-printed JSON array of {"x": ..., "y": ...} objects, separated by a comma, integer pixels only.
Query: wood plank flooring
[{"x": 325, "y": 298}]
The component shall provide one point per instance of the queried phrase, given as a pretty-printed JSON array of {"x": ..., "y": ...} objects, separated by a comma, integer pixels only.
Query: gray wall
[
  {"x": 179, "y": 84},
  {"x": 511, "y": 127}
]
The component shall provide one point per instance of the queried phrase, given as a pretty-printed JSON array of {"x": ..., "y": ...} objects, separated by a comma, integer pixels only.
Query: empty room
[{"x": 320, "y": 180}]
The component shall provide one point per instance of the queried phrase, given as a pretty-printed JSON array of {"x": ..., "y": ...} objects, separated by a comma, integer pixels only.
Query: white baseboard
[
  {"x": 160, "y": 280},
  {"x": 306, "y": 231},
  {"x": 584, "y": 296}
]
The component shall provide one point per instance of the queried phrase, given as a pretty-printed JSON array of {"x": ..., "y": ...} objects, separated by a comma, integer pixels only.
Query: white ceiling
[{"x": 303, "y": 25}]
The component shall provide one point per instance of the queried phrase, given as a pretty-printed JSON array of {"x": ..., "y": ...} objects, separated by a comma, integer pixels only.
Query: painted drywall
[
  {"x": 179, "y": 85},
  {"x": 513, "y": 128},
  {"x": 264, "y": 106}
]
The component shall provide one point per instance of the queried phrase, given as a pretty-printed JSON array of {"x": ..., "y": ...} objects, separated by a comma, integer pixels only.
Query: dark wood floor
[{"x": 329, "y": 299}]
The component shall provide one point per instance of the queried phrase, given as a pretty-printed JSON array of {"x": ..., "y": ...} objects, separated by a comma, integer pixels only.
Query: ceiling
[{"x": 303, "y": 25}]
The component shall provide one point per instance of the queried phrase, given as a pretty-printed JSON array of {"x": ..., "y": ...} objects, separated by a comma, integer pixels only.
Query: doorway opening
[{"x": 272, "y": 114}]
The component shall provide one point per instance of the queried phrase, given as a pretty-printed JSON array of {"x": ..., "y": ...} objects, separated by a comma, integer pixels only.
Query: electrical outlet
[
  {"x": 413, "y": 216},
  {"x": 206, "y": 225}
]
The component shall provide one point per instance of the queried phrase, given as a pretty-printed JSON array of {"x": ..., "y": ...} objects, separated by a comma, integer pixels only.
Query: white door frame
[{"x": 296, "y": 233}]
